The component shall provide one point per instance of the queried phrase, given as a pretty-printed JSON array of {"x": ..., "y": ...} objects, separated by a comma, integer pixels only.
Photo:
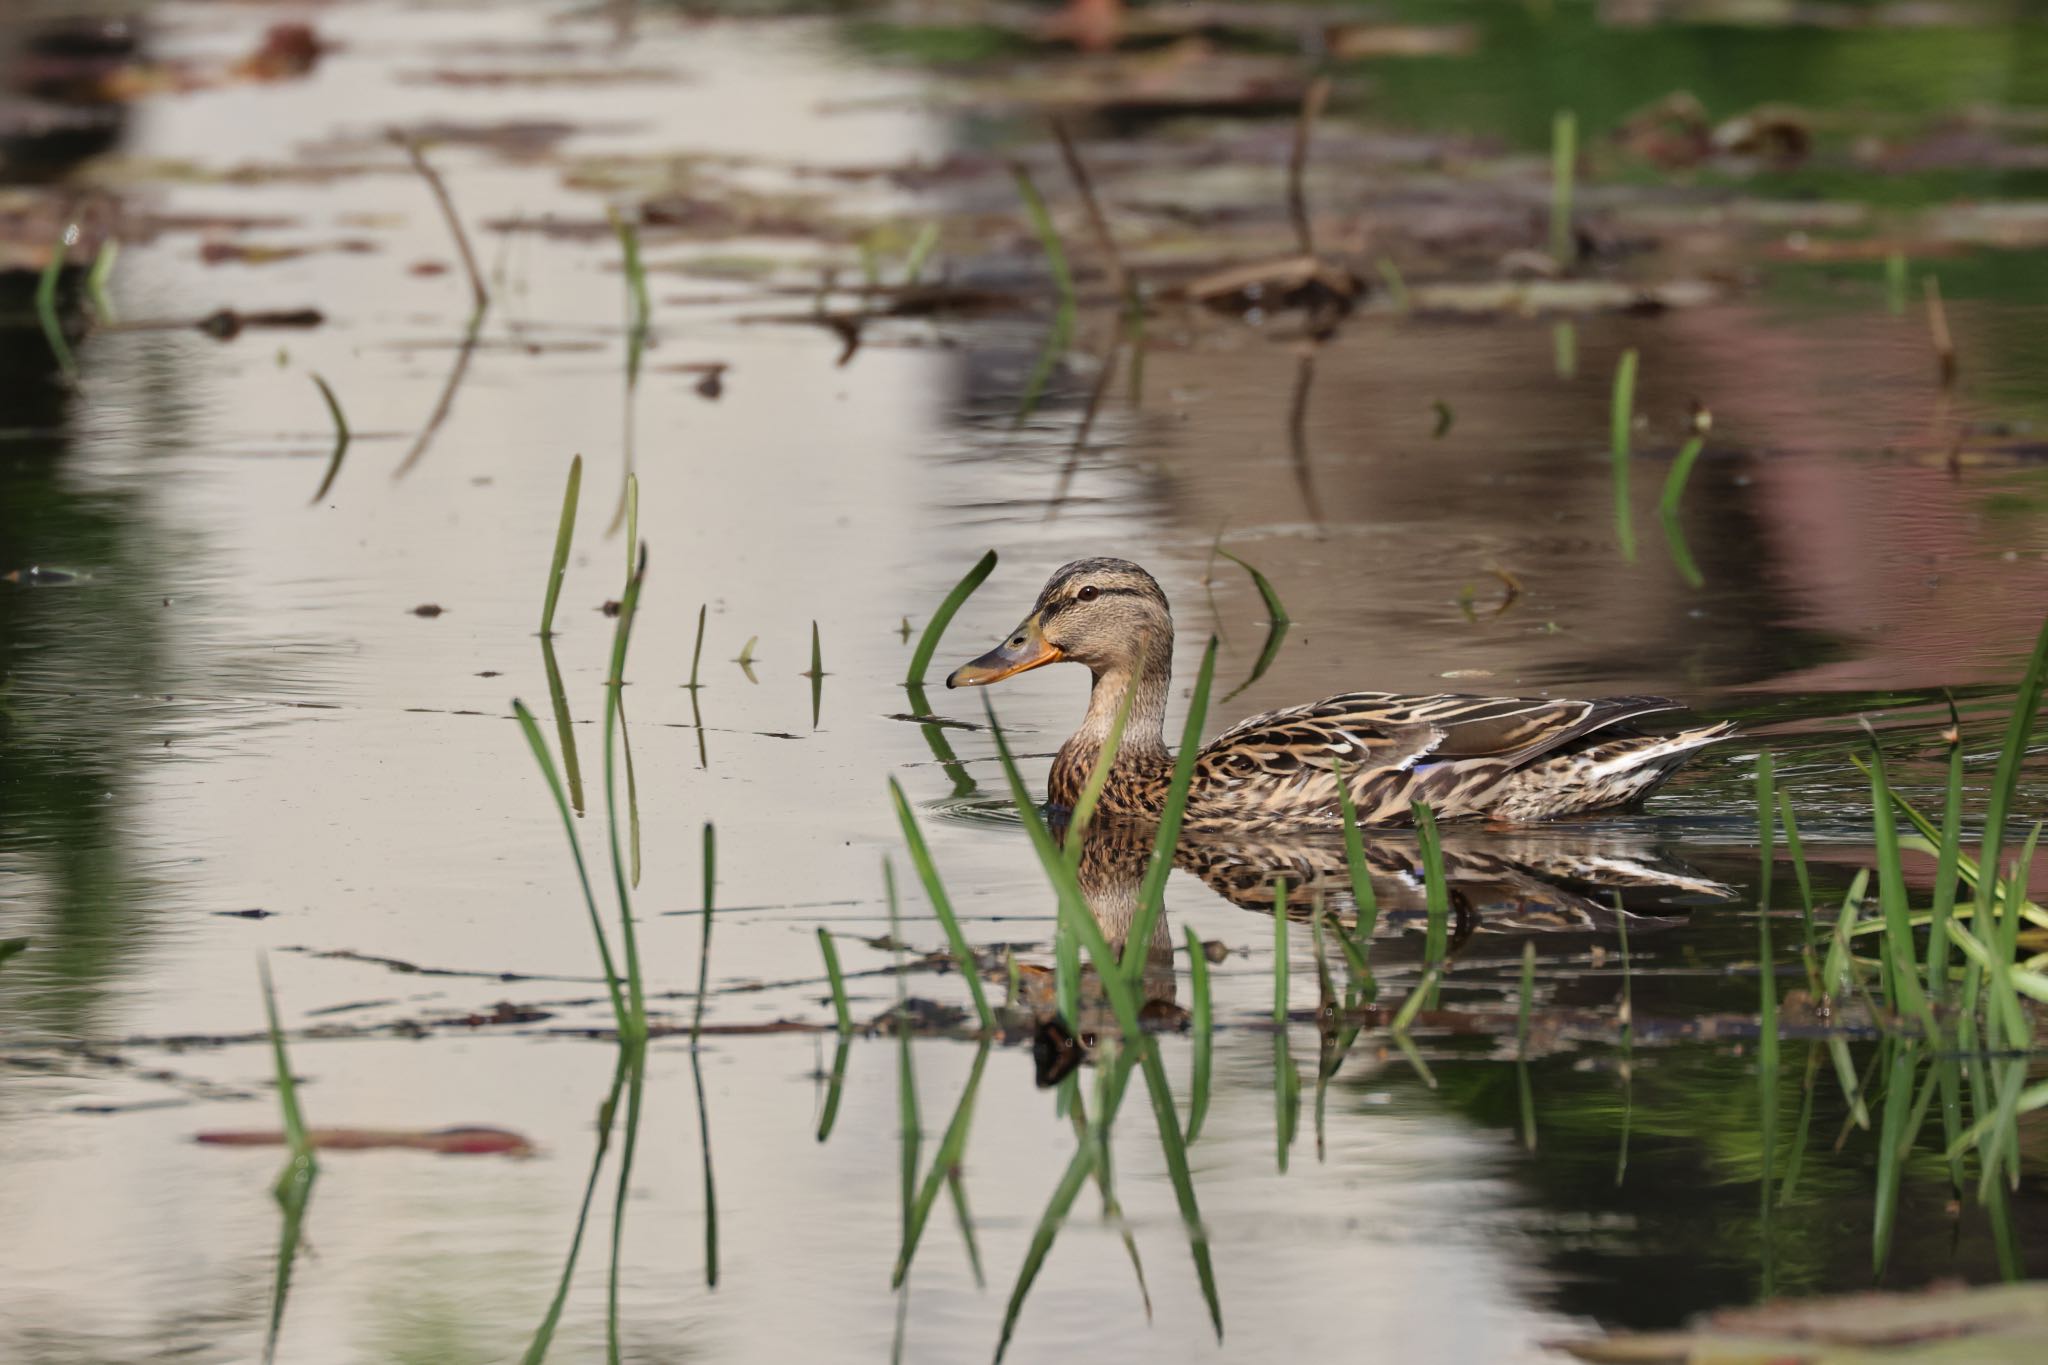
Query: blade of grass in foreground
[
  {"x": 909, "y": 1126},
  {"x": 1945, "y": 870},
  {"x": 1436, "y": 893},
  {"x": 835, "y": 1086},
  {"x": 1063, "y": 1196},
  {"x": 293, "y": 1189},
  {"x": 1152, "y": 893},
  {"x": 565, "y": 731},
  {"x": 1891, "y": 897},
  {"x": 1280, "y": 963},
  {"x": 1202, "y": 1030},
  {"x": 710, "y": 1181},
  {"x": 634, "y": 1052},
  {"x": 615, "y": 680},
  {"x": 544, "y": 1335},
  {"x": 531, "y": 729},
  {"x": 565, "y": 533},
  {"x": 1622, "y": 419},
  {"x": 1098, "y": 778},
  {"x": 942, "y": 905},
  {"x": 838, "y": 980},
  {"x": 1121, "y": 990},
  {"x": 945, "y": 1164},
  {"x": 632, "y": 794},
  {"x": 928, "y": 643},
  {"x": 704, "y": 951}
]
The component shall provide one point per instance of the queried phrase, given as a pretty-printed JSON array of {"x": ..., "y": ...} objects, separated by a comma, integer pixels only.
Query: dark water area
[{"x": 242, "y": 718}]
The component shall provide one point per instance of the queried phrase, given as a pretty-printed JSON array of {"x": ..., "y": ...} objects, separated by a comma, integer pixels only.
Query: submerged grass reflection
[{"x": 293, "y": 1189}]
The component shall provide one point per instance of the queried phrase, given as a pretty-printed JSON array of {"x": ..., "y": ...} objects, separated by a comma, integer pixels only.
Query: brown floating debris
[
  {"x": 459, "y": 1141},
  {"x": 428, "y": 609},
  {"x": 246, "y": 253},
  {"x": 228, "y": 323}
]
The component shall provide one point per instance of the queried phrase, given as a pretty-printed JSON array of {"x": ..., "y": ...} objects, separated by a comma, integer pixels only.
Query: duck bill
[{"x": 1023, "y": 651}]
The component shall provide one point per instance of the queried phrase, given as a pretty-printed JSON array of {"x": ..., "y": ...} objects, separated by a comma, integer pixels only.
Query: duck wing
[{"x": 1288, "y": 758}]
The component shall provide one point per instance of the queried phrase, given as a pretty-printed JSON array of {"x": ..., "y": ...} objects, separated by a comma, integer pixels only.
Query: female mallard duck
[{"x": 1511, "y": 759}]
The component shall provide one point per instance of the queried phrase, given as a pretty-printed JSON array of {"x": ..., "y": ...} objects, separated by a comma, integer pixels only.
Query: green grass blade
[
  {"x": 957, "y": 1188},
  {"x": 710, "y": 1179},
  {"x": 1098, "y": 778},
  {"x": 341, "y": 439},
  {"x": 565, "y": 533},
  {"x": 1945, "y": 876},
  {"x": 1365, "y": 901},
  {"x": 1152, "y": 894},
  {"x": 96, "y": 282},
  {"x": 835, "y": 1087},
  {"x": 293, "y": 1189},
  {"x": 1796, "y": 850},
  {"x": 1564, "y": 348},
  {"x": 2005, "y": 781},
  {"x": 46, "y": 304},
  {"x": 565, "y": 725},
  {"x": 1276, "y": 610},
  {"x": 1280, "y": 963},
  {"x": 531, "y": 729},
  {"x": 1681, "y": 471},
  {"x": 945, "y": 1165},
  {"x": 1436, "y": 889},
  {"x": 839, "y": 1007},
  {"x": 1202, "y": 1034},
  {"x": 1119, "y": 981},
  {"x": 704, "y": 948},
  {"x": 817, "y": 676},
  {"x": 632, "y": 794},
  {"x": 935, "y": 629},
  {"x": 1891, "y": 897},
  {"x": 920, "y": 251},
  {"x": 1062, "y": 1202},
  {"x": 1891, "y": 1151},
  {"x": 544, "y": 1335},
  {"x": 1564, "y": 160},
  {"x": 1286, "y": 1100},
  {"x": 909, "y": 1125},
  {"x": 622, "y": 634},
  {"x": 697, "y": 650},
  {"x": 1621, "y": 422},
  {"x": 942, "y": 905},
  {"x": 635, "y": 1051}
]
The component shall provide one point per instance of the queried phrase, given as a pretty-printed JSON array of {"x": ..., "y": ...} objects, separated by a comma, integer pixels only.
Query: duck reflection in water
[{"x": 1553, "y": 880}]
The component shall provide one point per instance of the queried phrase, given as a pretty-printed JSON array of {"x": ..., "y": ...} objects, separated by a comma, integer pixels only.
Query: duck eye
[{"x": 1089, "y": 593}]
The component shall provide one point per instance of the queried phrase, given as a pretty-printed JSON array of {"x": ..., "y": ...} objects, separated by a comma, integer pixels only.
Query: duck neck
[{"x": 1141, "y": 753}]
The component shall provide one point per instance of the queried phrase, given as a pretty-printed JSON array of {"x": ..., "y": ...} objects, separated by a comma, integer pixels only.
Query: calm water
[{"x": 232, "y": 706}]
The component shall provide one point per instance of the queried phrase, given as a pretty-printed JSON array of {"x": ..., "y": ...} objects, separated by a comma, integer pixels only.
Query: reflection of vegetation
[{"x": 81, "y": 667}]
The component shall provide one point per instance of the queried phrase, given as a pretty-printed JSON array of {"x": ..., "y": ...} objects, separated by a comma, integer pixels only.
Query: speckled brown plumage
[{"x": 1507, "y": 759}]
